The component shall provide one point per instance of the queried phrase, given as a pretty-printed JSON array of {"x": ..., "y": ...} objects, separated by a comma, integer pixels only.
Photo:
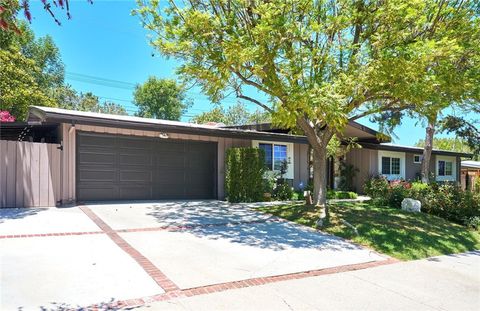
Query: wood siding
[
  {"x": 366, "y": 161},
  {"x": 29, "y": 174}
]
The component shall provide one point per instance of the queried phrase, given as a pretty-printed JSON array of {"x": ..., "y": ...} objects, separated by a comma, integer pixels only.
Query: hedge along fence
[{"x": 244, "y": 174}]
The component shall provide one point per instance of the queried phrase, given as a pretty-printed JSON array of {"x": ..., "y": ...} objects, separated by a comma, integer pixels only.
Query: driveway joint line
[{"x": 158, "y": 276}]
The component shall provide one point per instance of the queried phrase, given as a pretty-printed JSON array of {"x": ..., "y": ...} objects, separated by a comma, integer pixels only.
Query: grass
[{"x": 390, "y": 231}]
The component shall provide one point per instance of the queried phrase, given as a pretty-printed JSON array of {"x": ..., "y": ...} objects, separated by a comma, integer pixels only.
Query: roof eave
[{"x": 220, "y": 132}]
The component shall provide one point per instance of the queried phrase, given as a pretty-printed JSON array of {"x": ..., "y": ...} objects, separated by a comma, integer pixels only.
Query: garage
[{"x": 117, "y": 167}]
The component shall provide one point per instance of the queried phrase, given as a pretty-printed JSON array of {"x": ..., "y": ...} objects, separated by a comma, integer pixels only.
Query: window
[
  {"x": 274, "y": 155},
  {"x": 280, "y": 155},
  {"x": 386, "y": 165},
  {"x": 268, "y": 154},
  {"x": 417, "y": 158},
  {"x": 390, "y": 166},
  {"x": 445, "y": 168}
]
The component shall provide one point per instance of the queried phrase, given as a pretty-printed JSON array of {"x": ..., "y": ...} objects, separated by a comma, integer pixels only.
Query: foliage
[
  {"x": 5, "y": 116},
  {"x": 18, "y": 87},
  {"x": 347, "y": 173},
  {"x": 244, "y": 174},
  {"x": 447, "y": 201},
  {"x": 10, "y": 8},
  {"x": 393, "y": 232},
  {"x": 476, "y": 185},
  {"x": 338, "y": 195},
  {"x": 318, "y": 63},
  {"x": 283, "y": 191},
  {"x": 161, "y": 99},
  {"x": 466, "y": 130},
  {"x": 68, "y": 98},
  {"x": 234, "y": 115},
  {"x": 447, "y": 143}
]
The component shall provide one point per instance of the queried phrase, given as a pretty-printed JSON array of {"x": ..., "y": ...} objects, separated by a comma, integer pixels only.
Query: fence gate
[{"x": 29, "y": 174}]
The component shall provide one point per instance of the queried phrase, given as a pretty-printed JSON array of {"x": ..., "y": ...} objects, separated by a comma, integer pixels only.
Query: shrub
[
  {"x": 341, "y": 195},
  {"x": 476, "y": 185},
  {"x": 283, "y": 192},
  {"x": 244, "y": 174}
]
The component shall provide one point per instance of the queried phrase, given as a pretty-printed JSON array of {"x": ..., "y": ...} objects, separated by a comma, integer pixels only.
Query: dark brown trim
[
  {"x": 413, "y": 150},
  {"x": 216, "y": 132}
]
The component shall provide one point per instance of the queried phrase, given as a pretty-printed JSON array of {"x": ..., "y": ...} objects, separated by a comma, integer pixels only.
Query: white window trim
[
  {"x": 392, "y": 154},
  {"x": 290, "y": 167},
  {"x": 452, "y": 177},
  {"x": 419, "y": 156}
]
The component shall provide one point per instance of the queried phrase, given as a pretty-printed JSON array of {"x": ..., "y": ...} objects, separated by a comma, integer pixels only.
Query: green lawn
[{"x": 389, "y": 231}]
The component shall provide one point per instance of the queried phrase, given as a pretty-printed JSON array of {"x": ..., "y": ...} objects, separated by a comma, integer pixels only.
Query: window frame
[
  {"x": 419, "y": 158},
  {"x": 392, "y": 155},
  {"x": 452, "y": 161},
  {"x": 289, "y": 155}
]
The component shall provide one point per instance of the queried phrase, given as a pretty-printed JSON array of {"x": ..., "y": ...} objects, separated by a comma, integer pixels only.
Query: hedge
[{"x": 244, "y": 174}]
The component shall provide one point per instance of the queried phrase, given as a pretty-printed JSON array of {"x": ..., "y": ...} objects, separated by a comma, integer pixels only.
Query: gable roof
[{"x": 52, "y": 115}]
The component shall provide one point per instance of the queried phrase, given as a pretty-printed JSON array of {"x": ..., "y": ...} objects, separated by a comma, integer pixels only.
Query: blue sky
[{"x": 103, "y": 40}]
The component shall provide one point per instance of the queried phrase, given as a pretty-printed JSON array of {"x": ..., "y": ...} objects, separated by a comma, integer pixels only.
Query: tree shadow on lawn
[
  {"x": 18, "y": 213},
  {"x": 402, "y": 234},
  {"x": 223, "y": 221}
]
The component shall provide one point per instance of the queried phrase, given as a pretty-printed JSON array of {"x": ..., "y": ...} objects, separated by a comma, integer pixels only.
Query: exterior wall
[
  {"x": 300, "y": 171},
  {"x": 366, "y": 161},
  {"x": 413, "y": 170},
  {"x": 69, "y": 134},
  {"x": 29, "y": 174}
]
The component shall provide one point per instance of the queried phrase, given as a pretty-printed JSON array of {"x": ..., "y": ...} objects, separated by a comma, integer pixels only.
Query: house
[
  {"x": 61, "y": 156},
  {"x": 470, "y": 171}
]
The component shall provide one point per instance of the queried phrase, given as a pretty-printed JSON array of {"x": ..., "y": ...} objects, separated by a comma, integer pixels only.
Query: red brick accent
[
  {"x": 40, "y": 235},
  {"x": 203, "y": 290},
  {"x": 162, "y": 280}
]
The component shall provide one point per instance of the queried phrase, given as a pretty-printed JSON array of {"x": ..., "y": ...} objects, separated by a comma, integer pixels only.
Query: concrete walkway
[{"x": 439, "y": 283}]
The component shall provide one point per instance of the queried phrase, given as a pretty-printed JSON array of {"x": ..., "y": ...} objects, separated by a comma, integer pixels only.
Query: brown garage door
[{"x": 115, "y": 167}]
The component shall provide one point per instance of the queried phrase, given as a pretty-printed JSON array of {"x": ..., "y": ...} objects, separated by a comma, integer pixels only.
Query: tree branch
[{"x": 253, "y": 100}]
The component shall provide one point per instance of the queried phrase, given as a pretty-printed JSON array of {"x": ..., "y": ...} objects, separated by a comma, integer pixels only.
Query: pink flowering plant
[{"x": 5, "y": 116}]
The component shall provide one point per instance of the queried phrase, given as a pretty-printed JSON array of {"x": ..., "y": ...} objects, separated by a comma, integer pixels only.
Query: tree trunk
[
  {"x": 320, "y": 177},
  {"x": 427, "y": 150},
  {"x": 318, "y": 139}
]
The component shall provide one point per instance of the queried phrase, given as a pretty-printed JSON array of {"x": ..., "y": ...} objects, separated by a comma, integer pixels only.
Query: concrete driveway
[{"x": 135, "y": 253}]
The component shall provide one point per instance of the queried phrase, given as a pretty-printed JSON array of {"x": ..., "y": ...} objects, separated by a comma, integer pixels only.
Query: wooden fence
[{"x": 29, "y": 174}]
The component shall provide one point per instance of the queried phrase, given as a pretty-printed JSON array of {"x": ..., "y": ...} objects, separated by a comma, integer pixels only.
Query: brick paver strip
[
  {"x": 161, "y": 279},
  {"x": 42, "y": 235},
  {"x": 221, "y": 287}
]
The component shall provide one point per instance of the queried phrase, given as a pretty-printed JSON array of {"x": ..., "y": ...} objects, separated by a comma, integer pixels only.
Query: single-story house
[
  {"x": 62, "y": 156},
  {"x": 470, "y": 172}
]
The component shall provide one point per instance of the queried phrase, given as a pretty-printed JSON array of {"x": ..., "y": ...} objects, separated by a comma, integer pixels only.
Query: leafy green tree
[
  {"x": 234, "y": 115},
  {"x": 448, "y": 143},
  {"x": 161, "y": 99},
  {"x": 468, "y": 131},
  {"x": 319, "y": 63},
  {"x": 18, "y": 88},
  {"x": 69, "y": 99},
  {"x": 31, "y": 69}
]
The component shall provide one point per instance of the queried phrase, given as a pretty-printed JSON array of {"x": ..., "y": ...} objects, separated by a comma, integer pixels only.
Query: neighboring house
[
  {"x": 62, "y": 156},
  {"x": 470, "y": 172}
]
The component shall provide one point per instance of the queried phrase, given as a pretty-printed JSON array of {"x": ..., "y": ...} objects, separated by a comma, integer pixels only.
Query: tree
[
  {"x": 160, "y": 99},
  {"x": 10, "y": 8},
  {"x": 467, "y": 131},
  {"x": 18, "y": 88},
  {"x": 234, "y": 115},
  {"x": 30, "y": 71},
  {"x": 320, "y": 63},
  {"x": 447, "y": 143},
  {"x": 68, "y": 98}
]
